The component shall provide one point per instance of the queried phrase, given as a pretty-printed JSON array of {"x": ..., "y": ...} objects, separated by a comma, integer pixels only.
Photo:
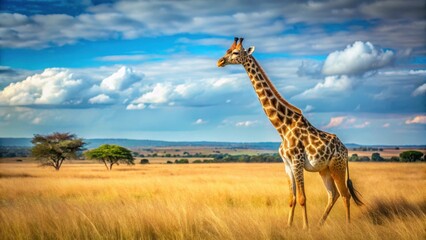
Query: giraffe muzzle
[{"x": 221, "y": 62}]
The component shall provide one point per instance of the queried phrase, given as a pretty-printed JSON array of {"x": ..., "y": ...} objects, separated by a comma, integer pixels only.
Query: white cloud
[
  {"x": 331, "y": 85},
  {"x": 420, "y": 119},
  {"x": 356, "y": 59},
  {"x": 362, "y": 125},
  {"x": 420, "y": 90},
  {"x": 136, "y": 106},
  {"x": 53, "y": 86},
  {"x": 335, "y": 122},
  {"x": 346, "y": 122},
  {"x": 100, "y": 99},
  {"x": 245, "y": 123},
  {"x": 159, "y": 94},
  {"x": 200, "y": 121},
  {"x": 386, "y": 125},
  {"x": 120, "y": 80}
]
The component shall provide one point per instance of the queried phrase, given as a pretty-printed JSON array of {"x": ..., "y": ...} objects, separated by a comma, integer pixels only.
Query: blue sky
[{"x": 147, "y": 69}]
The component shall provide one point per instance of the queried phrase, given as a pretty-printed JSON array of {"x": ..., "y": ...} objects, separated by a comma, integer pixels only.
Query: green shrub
[
  {"x": 411, "y": 156},
  {"x": 354, "y": 157},
  {"x": 144, "y": 161},
  {"x": 181, "y": 161}
]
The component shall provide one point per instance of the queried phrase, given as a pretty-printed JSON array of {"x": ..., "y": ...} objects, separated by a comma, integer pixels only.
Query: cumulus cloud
[
  {"x": 62, "y": 88},
  {"x": 420, "y": 90},
  {"x": 420, "y": 119},
  {"x": 120, "y": 80},
  {"x": 357, "y": 59},
  {"x": 189, "y": 93},
  {"x": 51, "y": 87},
  {"x": 100, "y": 99},
  {"x": 331, "y": 85}
]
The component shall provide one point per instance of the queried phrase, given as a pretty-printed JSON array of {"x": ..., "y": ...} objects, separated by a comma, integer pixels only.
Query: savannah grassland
[{"x": 202, "y": 201}]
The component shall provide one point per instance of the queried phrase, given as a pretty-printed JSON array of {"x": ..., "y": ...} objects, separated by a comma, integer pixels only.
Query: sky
[{"x": 147, "y": 69}]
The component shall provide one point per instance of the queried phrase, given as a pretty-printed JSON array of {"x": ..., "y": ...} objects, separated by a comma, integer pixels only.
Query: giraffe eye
[{"x": 235, "y": 53}]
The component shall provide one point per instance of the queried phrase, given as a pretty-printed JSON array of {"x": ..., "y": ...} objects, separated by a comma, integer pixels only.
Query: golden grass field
[{"x": 202, "y": 201}]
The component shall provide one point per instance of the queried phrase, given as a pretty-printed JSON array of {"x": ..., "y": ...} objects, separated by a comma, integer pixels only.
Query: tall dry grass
[{"x": 202, "y": 201}]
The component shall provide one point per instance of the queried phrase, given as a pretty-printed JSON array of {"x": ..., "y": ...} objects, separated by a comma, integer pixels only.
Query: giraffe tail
[{"x": 354, "y": 193}]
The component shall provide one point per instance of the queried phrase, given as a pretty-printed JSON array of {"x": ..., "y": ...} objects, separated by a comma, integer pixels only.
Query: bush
[
  {"x": 364, "y": 159},
  {"x": 411, "y": 156},
  {"x": 395, "y": 159},
  {"x": 169, "y": 162},
  {"x": 197, "y": 161},
  {"x": 180, "y": 161},
  {"x": 144, "y": 161},
  {"x": 375, "y": 157},
  {"x": 354, "y": 157}
]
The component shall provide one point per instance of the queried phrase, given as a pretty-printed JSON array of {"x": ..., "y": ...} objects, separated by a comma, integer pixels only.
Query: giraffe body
[{"x": 303, "y": 146}]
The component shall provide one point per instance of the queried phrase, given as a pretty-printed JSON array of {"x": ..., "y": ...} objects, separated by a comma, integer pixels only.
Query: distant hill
[{"x": 131, "y": 143}]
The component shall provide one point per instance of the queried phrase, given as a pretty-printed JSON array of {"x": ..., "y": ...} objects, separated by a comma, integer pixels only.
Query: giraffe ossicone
[{"x": 303, "y": 146}]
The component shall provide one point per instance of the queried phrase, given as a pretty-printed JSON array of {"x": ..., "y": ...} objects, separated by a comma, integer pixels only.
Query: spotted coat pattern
[{"x": 303, "y": 146}]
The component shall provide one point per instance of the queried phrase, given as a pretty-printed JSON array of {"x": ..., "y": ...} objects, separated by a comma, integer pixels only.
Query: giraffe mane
[{"x": 276, "y": 93}]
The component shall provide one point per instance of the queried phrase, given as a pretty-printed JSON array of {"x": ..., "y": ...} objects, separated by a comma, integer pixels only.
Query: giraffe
[{"x": 303, "y": 146}]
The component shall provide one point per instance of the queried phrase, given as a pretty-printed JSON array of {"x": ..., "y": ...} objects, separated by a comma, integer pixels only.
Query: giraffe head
[{"x": 236, "y": 54}]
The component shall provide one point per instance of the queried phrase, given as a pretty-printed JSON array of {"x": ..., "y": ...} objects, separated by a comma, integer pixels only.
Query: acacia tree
[
  {"x": 53, "y": 149},
  {"x": 110, "y": 155}
]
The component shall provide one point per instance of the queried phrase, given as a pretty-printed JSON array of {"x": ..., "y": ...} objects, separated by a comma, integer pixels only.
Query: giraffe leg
[
  {"x": 300, "y": 189},
  {"x": 292, "y": 192},
  {"x": 338, "y": 173},
  {"x": 333, "y": 195}
]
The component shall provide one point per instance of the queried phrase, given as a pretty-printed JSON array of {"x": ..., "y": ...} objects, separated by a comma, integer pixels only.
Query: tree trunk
[
  {"x": 106, "y": 164},
  {"x": 110, "y": 166}
]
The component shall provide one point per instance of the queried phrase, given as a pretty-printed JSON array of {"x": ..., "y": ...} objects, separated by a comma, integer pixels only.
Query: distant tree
[
  {"x": 395, "y": 159},
  {"x": 182, "y": 161},
  {"x": 53, "y": 149},
  {"x": 354, "y": 157},
  {"x": 110, "y": 155},
  {"x": 144, "y": 161},
  {"x": 364, "y": 159},
  {"x": 411, "y": 156},
  {"x": 375, "y": 157},
  {"x": 135, "y": 154}
]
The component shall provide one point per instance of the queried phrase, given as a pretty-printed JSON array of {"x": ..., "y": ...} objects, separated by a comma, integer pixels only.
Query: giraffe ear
[{"x": 250, "y": 50}]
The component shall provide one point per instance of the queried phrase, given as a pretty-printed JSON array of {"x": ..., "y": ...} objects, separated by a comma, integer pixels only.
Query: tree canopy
[
  {"x": 411, "y": 156},
  {"x": 111, "y": 154},
  {"x": 53, "y": 149}
]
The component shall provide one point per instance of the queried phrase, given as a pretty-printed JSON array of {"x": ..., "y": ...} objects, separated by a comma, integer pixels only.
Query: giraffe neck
[{"x": 280, "y": 112}]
